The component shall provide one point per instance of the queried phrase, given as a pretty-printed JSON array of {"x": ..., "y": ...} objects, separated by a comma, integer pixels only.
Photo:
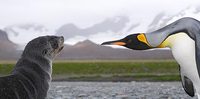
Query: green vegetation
[
  {"x": 110, "y": 70},
  {"x": 6, "y": 68}
]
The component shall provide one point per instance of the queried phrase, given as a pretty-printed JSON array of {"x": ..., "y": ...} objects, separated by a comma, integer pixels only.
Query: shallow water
[{"x": 117, "y": 90}]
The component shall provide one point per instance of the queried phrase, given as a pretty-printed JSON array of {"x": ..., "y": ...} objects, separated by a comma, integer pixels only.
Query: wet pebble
[{"x": 117, "y": 90}]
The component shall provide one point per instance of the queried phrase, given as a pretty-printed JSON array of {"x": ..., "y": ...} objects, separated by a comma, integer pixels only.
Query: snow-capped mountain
[
  {"x": 22, "y": 33},
  {"x": 114, "y": 24},
  {"x": 163, "y": 19},
  {"x": 108, "y": 29}
]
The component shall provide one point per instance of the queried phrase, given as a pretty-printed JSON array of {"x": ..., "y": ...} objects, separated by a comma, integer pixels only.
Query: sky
[{"x": 84, "y": 13}]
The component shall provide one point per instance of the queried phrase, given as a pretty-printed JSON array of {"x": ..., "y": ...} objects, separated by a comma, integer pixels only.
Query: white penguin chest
[{"x": 183, "y": 50}]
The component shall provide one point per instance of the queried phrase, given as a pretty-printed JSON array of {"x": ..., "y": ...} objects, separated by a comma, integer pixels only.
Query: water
[{"x": 117, "y": 90}]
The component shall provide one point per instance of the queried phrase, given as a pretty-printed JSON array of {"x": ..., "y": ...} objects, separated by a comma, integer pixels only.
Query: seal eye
[{"x": 54, "y": 45}]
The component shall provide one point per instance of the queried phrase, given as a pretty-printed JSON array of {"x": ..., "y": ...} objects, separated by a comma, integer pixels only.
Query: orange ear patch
[{"x": 142, "y": 38}]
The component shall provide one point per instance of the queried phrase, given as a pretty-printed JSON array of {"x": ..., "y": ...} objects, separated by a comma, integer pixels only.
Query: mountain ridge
[
  {"x": 89, "y": 50},
  {"x": 84, "y": 50},
  {"x": 8, "y": 49}
]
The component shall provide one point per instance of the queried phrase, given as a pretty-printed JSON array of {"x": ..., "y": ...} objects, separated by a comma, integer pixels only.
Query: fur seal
[{"x": 31, "y": 75}]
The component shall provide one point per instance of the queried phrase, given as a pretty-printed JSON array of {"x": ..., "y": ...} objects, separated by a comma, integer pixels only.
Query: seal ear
[{"x": 45, "y": 51}]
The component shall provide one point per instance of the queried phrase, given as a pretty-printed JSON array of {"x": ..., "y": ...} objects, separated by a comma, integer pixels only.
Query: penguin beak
[{"x": 118, "y": 42}]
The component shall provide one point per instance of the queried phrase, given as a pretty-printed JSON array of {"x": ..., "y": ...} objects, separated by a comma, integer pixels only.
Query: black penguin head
[{"x": 134, "y": 41}]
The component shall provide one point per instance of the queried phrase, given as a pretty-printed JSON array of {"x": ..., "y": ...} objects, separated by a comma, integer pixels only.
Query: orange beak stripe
[{"x": 119, "y": 43}]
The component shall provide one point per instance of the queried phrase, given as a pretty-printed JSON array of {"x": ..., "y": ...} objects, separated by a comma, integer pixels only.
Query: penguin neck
[
  {"x": 172, "y": 40},
  {"x": 182, "y": 46}
]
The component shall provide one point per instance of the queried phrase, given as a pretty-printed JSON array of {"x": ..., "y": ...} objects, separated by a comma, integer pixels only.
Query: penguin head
[{"x": 133, "y": 41}]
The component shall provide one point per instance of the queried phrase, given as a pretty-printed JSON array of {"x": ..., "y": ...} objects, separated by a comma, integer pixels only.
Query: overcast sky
[
  {"x": 84, "y": 13},
  {"x": 54, "y": 13}
]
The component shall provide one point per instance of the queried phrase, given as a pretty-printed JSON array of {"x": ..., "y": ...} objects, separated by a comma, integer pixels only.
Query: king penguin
[{"x": 183, "y": 38}]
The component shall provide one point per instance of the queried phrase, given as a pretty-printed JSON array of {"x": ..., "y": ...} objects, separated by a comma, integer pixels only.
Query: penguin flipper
[
  {"x": 188, "y": 86},
  {"x": 197, "y": 52}
]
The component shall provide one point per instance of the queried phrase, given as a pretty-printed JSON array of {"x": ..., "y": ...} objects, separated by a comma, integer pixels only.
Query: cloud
[
  {"x": 87, "y": 17},
  {"x": 153, "y": 25}
]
